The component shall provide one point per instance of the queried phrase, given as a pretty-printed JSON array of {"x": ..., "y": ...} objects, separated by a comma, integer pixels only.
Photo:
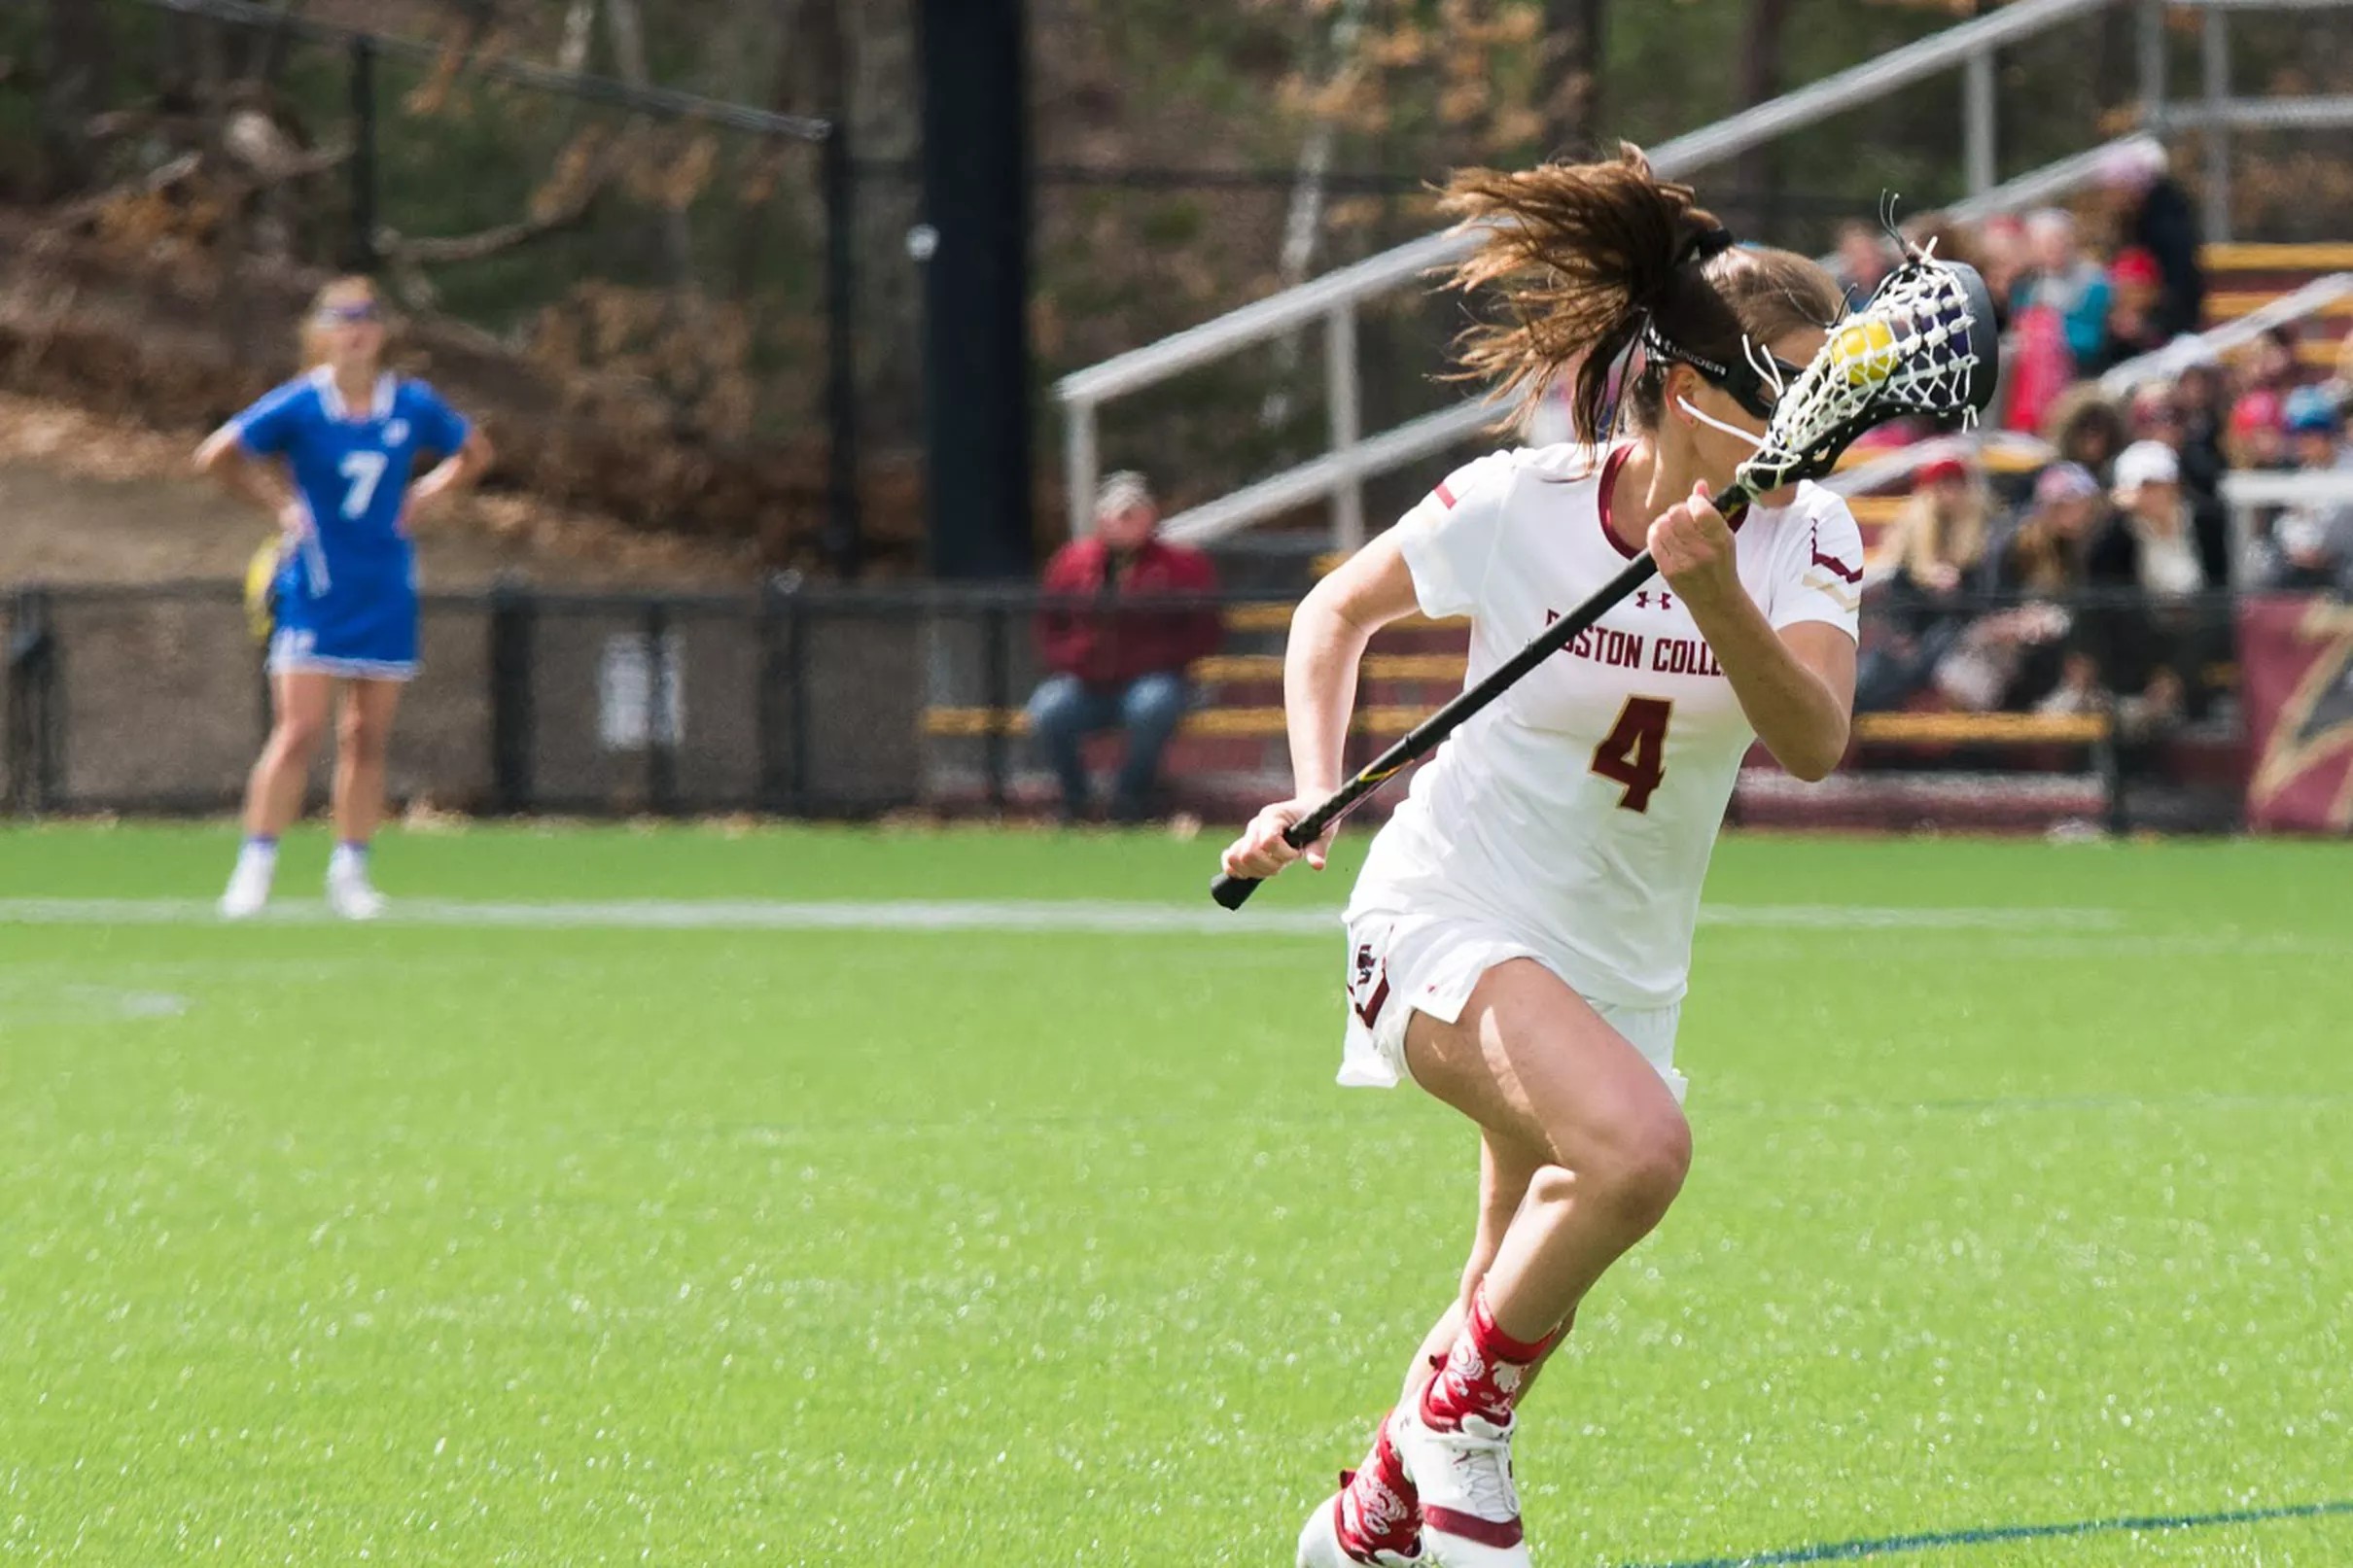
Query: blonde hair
[
  {"x": 1929, "y": 529},
  {"x": 341, "y": 292},
  {"x": 1587, "y": 254}
]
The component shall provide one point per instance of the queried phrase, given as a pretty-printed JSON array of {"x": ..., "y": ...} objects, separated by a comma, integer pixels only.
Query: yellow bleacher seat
[
  {"x": 1899, "y": 729},
  {"x": 1983, "y": 729},
  {"x": 2250, "y": 258}
]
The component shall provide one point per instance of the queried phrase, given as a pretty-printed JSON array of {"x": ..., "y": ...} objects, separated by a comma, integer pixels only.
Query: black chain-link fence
[{"x": 854, "y": 701}]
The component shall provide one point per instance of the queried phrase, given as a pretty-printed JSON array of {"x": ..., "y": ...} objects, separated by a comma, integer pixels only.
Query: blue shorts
[{"x": 357, "y": 620}]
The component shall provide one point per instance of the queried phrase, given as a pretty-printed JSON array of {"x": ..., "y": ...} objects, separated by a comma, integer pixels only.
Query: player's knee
[
  {"x": 1631, "y": 1175},
  {"x": 360, "y": 740},
  {"x": 297, "y": 734},
  {"x": 1642, "y": 1173}
]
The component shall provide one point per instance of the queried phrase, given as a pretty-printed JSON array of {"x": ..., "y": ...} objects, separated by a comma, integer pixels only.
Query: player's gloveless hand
[
  {"x": 1693, "y": 547},
  {"x": 1261, "y": 851}
]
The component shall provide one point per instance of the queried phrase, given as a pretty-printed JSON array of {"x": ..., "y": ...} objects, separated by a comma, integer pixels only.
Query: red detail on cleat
[{"x": 1497, "y": 1533}]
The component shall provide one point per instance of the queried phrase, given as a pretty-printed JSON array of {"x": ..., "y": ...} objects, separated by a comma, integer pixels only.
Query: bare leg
[
  {"x": 1557, "y": 1092},
  {"x": 273, "y": 792},
  {"x": 1503, "y": 1178},
  {"x": 363, "y": 737}
]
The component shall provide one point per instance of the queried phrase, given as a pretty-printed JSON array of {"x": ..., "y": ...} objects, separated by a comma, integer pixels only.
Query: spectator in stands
[
  {"x": 2152, "y": 645},
  {"x": 2150, "y": 543},
  {"x": 1118, "y": 663},
  {"x": 1924, "y": 569},
  {"x": 2310, "y": 546},
  {"x": 1864, "y": 259},
  {"x": 2012, "y": 658},
  {"x": 2157, "y": 416},
  {"x": 2150, "y": 213},
  {"x": 2271, "y": 365},
  {"x": 2066, "y": 281},
  {"x": 2199, "y": 399},
  {"x": 2001, "y": 244},
  {"x": 2087, "y": 428},
  {"x": 2134, "y": 288},
  {"x": 2258, "y": 438}
]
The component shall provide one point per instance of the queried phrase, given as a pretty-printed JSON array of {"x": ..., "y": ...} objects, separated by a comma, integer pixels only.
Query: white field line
[{"x": 1045, "y": 916}]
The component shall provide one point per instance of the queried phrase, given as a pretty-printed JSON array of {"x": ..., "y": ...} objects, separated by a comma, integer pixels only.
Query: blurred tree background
[{"x": 647, "y": 297}]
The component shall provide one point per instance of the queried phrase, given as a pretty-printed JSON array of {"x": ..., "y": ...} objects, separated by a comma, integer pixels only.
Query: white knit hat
[
  {"x": 2146, "y": 463},
  {"x": 1120, "y": 491}
]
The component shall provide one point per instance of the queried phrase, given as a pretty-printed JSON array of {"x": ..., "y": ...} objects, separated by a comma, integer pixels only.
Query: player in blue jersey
[{"x": 331, "y": 455}]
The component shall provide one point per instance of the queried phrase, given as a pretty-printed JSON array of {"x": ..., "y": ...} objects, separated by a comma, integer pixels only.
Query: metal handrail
[
  {"x": 1334, "y": 298},
  {"x": 1434, "y": 432},
  {"x": 2184, "y": 352}
]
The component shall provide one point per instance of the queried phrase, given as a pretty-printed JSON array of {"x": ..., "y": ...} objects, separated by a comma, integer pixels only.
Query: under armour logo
[{"x": 1667, "y": 600}]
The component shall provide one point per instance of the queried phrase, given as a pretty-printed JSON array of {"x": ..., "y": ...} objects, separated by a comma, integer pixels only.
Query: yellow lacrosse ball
[{"x": 1866, "y": 352}]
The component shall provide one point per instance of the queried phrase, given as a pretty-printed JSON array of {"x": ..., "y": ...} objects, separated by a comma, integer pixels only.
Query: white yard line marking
[
  {"x": 977, "y": 915},
  {"x": 31, "y": 1002}
]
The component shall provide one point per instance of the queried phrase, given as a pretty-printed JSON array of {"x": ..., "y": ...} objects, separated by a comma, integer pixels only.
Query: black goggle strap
[{"x": 1744, "y": 382}]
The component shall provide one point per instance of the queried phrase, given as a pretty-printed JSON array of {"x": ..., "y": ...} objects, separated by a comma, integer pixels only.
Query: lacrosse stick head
[{"x": 1925, "y": 342}]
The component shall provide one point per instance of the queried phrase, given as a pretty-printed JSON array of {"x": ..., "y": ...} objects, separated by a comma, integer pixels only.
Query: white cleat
[
  {"x": 248, "y": 891},
  {"x": 351, "y": 898},
  {"x": 1320, "y": 1544},
  {"x": 1470, "y": 1503}
]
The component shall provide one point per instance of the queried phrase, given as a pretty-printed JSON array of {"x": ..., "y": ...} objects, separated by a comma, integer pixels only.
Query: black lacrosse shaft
[{"x": 1423, "y": 738}]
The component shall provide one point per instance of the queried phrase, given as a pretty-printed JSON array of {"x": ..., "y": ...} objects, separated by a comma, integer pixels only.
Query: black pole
[
  {"x": 363, "y": 153},
  {"x": 996, "y": 661},
  {"x": 768, "y": 693},
  {"x": 975, "y": 256},
  {"x": 796, "y": 713},
  {"x": 510, "y": 720},
  {"x": 844, "y": 545}
]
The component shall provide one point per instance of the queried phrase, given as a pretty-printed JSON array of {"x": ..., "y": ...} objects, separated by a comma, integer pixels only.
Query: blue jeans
[{"x": 1065, "y": 710}]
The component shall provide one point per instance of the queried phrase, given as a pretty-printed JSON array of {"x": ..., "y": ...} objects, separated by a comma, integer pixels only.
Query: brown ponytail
[{"x": 1585, "y": 255}]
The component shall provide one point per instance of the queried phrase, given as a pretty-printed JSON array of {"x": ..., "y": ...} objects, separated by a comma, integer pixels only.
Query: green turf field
[{"x": 548, "y": 1232}]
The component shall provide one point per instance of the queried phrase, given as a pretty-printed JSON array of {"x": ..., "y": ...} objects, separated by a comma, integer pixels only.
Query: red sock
[
  {"x": 1483, "y": 1375},
  {"x": 1378, "y": 1509}
]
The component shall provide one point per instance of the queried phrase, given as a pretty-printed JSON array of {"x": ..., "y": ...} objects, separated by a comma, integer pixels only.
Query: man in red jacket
[{"x": 1118, "y": 663}]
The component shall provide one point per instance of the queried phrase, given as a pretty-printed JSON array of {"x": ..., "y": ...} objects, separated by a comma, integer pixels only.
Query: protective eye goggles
[
  {"x": 1755, "y": 383},
  {"x": 346, "y": 315}
]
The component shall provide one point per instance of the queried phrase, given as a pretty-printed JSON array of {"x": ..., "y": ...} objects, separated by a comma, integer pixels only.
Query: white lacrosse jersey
[{"x": 1579, "y": 808}]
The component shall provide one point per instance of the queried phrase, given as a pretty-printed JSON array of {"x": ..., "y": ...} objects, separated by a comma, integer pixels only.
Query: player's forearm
[
  {"x": 453, "y": 473},
  {"x": 1794, "y": 711},
  {"x": 237, "y": 474},
  {"x": 1319, "y": 692}
]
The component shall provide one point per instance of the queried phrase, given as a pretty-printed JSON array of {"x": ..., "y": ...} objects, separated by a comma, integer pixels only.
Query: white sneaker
[
  {"x": 1470, "y": 1504},
  {"x": 350, "y": 895},
  {"x": 248, "y": 888}
]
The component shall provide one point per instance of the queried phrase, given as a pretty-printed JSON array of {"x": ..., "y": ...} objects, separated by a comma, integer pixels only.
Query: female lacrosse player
[
  {"x": 1519, "y": 939},
  {"x": 330, "y": 455}
]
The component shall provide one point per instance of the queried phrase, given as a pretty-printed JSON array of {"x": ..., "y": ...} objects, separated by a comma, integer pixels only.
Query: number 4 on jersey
[{"x": 1633, "y": 752}]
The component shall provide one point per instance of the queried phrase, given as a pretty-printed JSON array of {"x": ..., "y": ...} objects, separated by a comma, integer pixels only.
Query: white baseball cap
[
  {"x": 2146, "y": 463},
  {"x": 1120, "y": 491}
]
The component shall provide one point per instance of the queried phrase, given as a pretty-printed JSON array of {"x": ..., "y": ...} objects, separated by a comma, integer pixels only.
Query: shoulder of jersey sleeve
[
  {"x": 284, "y": 395},
  {"x": 1828, "y": 517},
  {"x": 1818, "y": 560},
  {"x": 420, "y": 393},
  {"x": 1490, "y": 478}
]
